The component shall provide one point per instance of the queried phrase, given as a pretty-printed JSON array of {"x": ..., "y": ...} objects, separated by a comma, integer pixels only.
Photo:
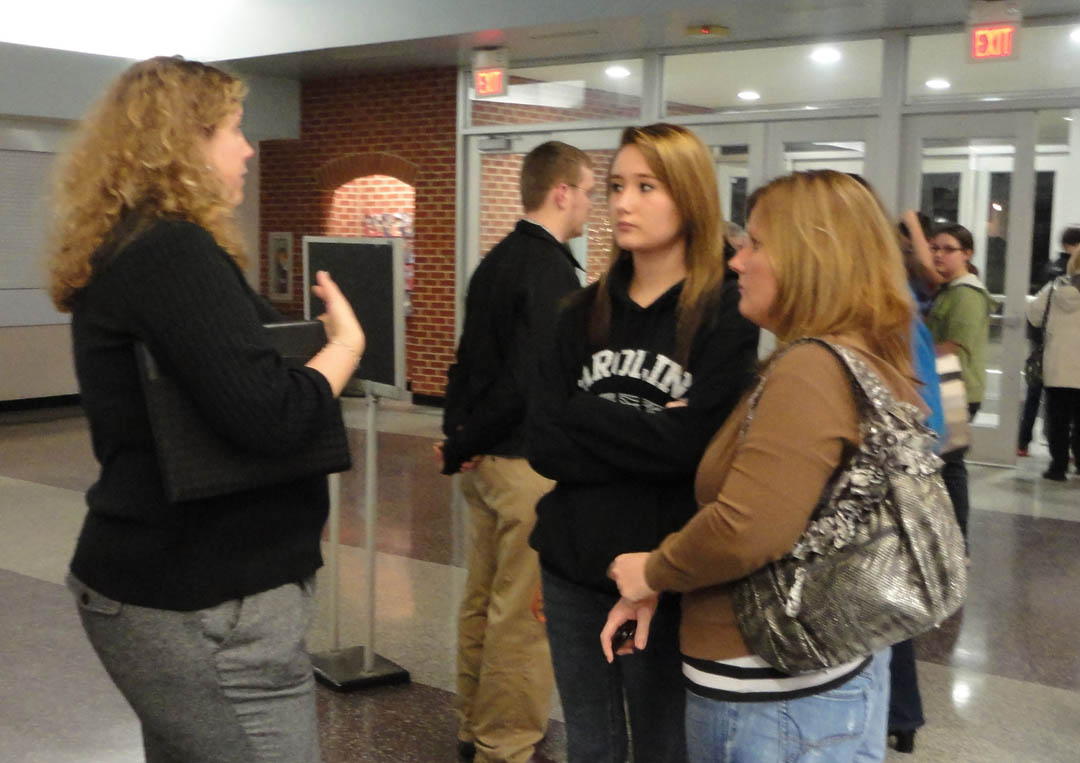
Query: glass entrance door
[
  {"x": 814, "y": 144},
  {"x": 979, "y": 171}
]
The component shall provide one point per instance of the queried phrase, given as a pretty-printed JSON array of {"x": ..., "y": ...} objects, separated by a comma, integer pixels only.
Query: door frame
[{"x": 991, "y": 445}]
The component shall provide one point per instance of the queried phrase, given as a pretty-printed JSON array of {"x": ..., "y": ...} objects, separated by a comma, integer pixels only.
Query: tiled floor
[{"x": 1000, "y": 681}]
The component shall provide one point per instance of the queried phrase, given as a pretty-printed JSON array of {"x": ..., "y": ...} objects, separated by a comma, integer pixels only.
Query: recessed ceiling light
[
  {"x": 938, "y": 84},
  {"x": 1067, "y": 119},
  {"x": 748, "y": 95},
  {"x": 826, "y": 54},
  {"x": 617, "y": 72},
  {"x": 996, "y": 207},
  {"x": 992, "y": 98},
  {"x": 1074, "y": 35},
  {"x": 810, "y": 108}
]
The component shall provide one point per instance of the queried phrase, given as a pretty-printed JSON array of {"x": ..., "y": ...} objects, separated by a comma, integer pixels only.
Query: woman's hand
[
  {"x": 340, "y": 322},
  {"x": 625, "y": 610},
  {"x": 628, "y": 572}
]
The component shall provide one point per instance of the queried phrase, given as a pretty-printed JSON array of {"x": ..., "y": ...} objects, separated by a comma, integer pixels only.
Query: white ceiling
[
  {"x": 303, "y": 38},
  {"x": 310, "y": 38}
]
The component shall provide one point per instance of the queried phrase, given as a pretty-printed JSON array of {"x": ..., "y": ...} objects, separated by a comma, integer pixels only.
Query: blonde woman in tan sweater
[{"x": 822, "y": 261}]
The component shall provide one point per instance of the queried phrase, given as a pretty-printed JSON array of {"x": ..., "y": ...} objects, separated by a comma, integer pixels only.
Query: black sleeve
[
  {"x": 669, "y": 444},
  {"x": 189, "y": 302},
  {"x": 502, "y": 407},
  {"x": 552, "y": 452}
]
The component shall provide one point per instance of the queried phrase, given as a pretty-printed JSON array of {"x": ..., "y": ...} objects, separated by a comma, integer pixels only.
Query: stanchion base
[{"x": 343, "y": 670}]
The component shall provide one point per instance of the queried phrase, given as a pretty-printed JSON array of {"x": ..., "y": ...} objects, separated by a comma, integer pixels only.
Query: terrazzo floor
[{"x": 1000, "y": 680}]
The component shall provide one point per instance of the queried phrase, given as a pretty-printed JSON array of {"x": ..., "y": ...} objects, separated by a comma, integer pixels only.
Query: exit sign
[
  {"x": 993, "y": 43},
  {"x": 489, "y": 83}
]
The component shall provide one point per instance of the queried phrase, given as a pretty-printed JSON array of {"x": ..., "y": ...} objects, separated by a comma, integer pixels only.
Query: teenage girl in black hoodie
[{"x": 648, "y": 363}]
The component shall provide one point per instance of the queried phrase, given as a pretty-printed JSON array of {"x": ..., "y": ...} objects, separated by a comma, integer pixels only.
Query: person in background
[
  {"x": 959, "y": 321},
  {"x": 905, "y": 700},
  {"x": 1070, "y": 243},
  {"x": 198, "y": 611},
  {"x": 504, "y": 680},
  {"x": 647, "y": 364},
  {"x": 915, "y": 234},
  {"x": 1061, "y": 365},
  {"x": 823, "y": 261}
]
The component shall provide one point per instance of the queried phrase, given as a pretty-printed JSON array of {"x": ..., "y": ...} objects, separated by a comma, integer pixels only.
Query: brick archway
[{"x": 337, "y": 172}]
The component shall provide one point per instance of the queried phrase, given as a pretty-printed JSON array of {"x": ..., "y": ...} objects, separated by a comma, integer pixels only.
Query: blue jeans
[
  {"x": 593, "y": 692},
  {"x": 905, "y": 702},
  {"x": 843, "y": 724}
]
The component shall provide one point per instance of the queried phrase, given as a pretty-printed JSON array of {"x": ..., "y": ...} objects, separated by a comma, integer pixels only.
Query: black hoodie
[{"x": 624, "y": 463}]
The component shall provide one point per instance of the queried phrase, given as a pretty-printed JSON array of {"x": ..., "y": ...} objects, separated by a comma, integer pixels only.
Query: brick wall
[
  {"x": 403, "y": 119},
  {"x": 385, "y": 143},
  {"x": 364, "y": 197}
]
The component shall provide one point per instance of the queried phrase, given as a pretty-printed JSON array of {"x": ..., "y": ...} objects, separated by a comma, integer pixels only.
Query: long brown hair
[
  {"x": 837, "y": 263},
  {"x": 679, "y": 160},
  {"x": 141, "y": 152}
]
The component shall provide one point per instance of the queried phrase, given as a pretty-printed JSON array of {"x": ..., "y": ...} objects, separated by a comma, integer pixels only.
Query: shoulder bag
[
  {"x": 1033, "y": 366},
  {"x": 197, "y": 463},
  {"x": 882, "y": 558}
]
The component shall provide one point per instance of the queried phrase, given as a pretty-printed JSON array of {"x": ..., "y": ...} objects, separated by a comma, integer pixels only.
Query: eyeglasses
[{"x": 946, "y": 249}]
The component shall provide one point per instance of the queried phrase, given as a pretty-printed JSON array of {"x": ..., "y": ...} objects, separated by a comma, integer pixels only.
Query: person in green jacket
[
  {"x": 959, "y": 321},
  {"x": 959, "y": 318}
]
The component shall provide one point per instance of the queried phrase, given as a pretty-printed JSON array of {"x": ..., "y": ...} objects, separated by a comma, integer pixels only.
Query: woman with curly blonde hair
[
  {"x": 197, "y": 610},
  {"x": 822, "y": 262}
]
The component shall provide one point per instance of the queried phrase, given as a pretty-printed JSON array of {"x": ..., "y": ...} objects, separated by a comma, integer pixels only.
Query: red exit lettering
[
  {"x": 489, "y": 82},
  {"x": 992, "y": 42}
]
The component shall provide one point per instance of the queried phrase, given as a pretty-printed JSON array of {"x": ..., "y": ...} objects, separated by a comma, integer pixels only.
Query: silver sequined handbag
[{"x": 882, "y": 559}]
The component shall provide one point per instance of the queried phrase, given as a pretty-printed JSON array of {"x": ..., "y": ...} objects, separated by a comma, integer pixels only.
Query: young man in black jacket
[{"x": 505, "y": 681}]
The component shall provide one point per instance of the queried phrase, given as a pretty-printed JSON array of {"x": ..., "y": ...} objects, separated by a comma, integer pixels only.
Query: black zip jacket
[
  {"x": 624, "y": 462},
  {"x": 509, "y": 314}
]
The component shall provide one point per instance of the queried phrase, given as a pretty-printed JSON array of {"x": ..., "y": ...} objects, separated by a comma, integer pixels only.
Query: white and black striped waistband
[{"x": 751, "y": 679}]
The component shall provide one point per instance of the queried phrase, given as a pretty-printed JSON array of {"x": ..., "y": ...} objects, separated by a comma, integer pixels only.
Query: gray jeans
[{"x": 228, "y": 684}]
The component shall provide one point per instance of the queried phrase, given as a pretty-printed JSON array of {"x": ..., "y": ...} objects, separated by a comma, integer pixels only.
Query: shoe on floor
[{"x": 1050, "y": 474}]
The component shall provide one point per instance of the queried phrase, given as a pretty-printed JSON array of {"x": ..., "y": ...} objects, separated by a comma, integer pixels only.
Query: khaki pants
[{"x": 505, "y": 681}]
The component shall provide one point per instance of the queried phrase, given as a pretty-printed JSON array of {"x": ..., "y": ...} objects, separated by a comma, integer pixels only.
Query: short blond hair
[
  {"x": 545, "y": 167},
  {"x": 141, "y": 152},
  {"x": 837, "y": 263}
]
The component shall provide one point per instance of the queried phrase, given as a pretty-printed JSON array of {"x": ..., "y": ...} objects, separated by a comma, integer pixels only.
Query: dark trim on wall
[
  {"x": 435, "y": 401},
  {"x": 37, "y": 403}
]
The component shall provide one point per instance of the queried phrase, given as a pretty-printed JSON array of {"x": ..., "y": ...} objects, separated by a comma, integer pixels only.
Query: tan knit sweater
[{"x": 756, "y": 496}]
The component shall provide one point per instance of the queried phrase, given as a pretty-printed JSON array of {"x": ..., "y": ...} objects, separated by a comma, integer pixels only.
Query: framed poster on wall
[{"x": 279, "y": 247}]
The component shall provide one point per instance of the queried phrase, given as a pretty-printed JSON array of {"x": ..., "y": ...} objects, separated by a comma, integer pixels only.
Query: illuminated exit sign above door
[
  {"x": 489, "y": 83},
  {"x": 993, "y": 43},
  {"x": 993, "y": 29},
  {"x": 489, "y": 67}
]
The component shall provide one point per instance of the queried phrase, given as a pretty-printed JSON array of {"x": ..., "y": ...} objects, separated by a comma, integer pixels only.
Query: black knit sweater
[{"x": 178, "y": 291}]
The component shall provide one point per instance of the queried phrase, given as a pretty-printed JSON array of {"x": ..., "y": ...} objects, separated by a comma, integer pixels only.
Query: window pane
[
  {"x": 1047, "y": 60},
  {"x": 564, "y": 93},
  {"x": 792, "y": 77}
]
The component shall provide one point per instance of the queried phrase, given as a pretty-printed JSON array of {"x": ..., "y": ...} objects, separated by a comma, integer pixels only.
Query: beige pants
[{"x": 504, "y": 681}]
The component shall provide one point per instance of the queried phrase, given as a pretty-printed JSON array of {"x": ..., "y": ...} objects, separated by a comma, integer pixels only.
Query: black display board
[{"x": 370, "y": 272}]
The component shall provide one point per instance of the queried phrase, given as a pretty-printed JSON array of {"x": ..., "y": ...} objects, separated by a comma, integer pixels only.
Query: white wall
[{"x": 42, "y": 95}]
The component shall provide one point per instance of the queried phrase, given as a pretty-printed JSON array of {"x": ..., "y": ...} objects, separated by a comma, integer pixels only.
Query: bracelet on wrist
[{"x": 355, "y": 353}]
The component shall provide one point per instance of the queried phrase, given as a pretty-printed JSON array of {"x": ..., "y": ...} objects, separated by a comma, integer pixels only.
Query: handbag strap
[
  {"x": 1046, "y": 312},
  {"x": 867, "y": 386}
]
